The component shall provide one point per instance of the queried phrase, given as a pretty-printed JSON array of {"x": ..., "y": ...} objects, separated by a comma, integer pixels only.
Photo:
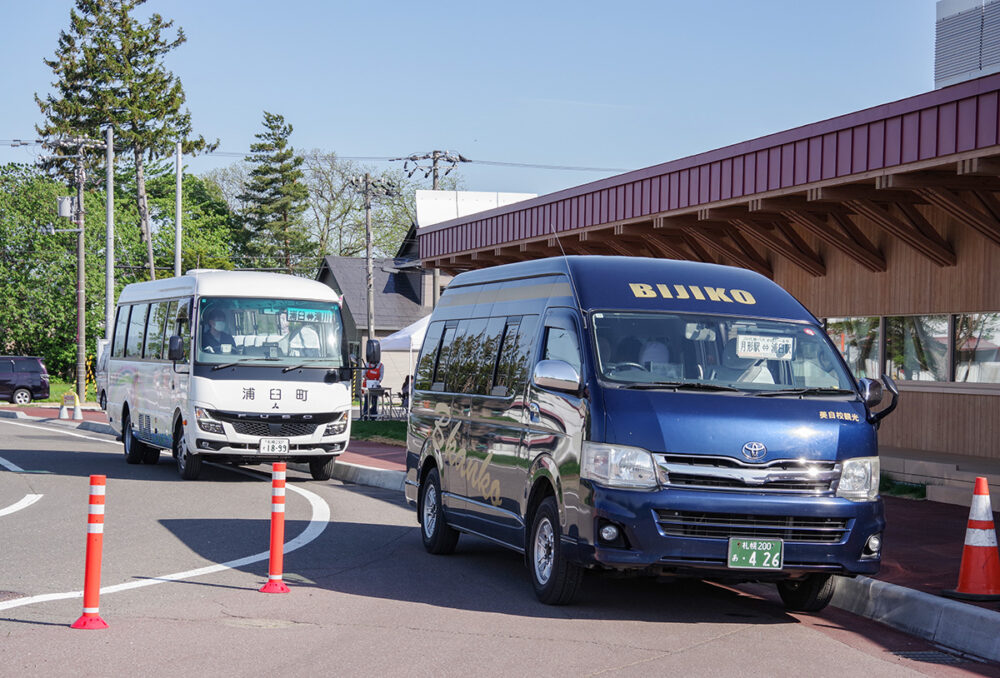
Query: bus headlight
[
  {"x": 859, "y": 479},
  {"x": 618, "y": 465},
  {"x": 206, "y": 423},
  {"x": 337, "y": 426}
]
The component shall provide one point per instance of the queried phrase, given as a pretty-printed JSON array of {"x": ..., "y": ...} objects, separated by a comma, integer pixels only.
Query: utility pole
[
  {"x": 177, "y": 216},
  {"x": 80, "y": 144},
  {"x": 109, "y": 239},
  {"x": 370, "y": 188},
  {"x": 412, "y": 165}
]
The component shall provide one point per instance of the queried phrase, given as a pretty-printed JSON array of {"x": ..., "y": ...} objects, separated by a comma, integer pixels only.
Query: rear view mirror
[
  {"x": 871, "y": 392},
  {"x": 558, "y": 375},
  {"x": 698, "y": 332},
  {"x": 373, "y": 352},
  {"x": 175, "y": 352}
]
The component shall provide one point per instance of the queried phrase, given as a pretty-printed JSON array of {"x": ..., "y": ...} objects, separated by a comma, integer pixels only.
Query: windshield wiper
[
  {"x": 225, "y": 365},
  {"x": 804, "y": 391},
  {"x": 678, "y": 386}
]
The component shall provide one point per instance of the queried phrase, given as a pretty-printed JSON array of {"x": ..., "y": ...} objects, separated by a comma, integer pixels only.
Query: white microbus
[{"x": 230, "y": 366}]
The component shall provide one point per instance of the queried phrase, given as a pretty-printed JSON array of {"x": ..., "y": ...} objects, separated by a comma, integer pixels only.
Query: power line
[{"x": 15, "y": 143}]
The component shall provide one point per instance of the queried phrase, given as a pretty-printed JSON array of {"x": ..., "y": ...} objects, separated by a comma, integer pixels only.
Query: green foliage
[
  {"x": 378, "y": 430},
  {"x": 898, "y": 488},
  {"x": 275, "y": 198}
]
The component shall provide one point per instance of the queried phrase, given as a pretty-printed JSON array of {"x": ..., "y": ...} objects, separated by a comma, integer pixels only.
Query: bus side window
[
  {"x": 154, "y": 330},
  {"x": 136, "y": 331},
  {"x": 171, "y": 327},
  {"x": 121, "y": 327},
  {"x": 183, "y": 325},
  {"x": 444, "y": 355}
]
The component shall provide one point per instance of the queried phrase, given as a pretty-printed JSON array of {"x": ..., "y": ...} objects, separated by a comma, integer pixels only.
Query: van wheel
[
  {"x": 439, "y": 537},
  {"x": 134, "y": 449},
  {"x": 102, "y": 400},
  {"x": 188, "y": 463},
  {"x": 322, "y": 468},
  {"x": 807, "y": 595},
  {"x": 556, "y": 580}
]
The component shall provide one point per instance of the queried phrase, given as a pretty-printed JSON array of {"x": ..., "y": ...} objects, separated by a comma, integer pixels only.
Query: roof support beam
[
  {"x": 838, "y": 232},
  {"x": 929, "y": 243},
  {"x": 959, "y": 182},
  {"x": 791, "y": 246},
  {"x": 738, "y": 254},
  {"x": 983, "y": 221},
  {"x": 979, "y": 166}
]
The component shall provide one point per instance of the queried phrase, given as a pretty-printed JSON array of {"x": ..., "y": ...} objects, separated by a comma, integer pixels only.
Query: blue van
[{"x": 656, "y": 416}]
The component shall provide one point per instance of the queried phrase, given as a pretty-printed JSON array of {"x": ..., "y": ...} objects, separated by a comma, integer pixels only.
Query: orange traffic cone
[{"x": 979, "y": 576}]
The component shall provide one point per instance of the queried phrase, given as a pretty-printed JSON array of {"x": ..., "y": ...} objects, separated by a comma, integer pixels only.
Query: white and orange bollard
[
  {"x": 91, "y": 618},
  {"x": 276, "y": 562},
  {"x": 979, "y": 574}
]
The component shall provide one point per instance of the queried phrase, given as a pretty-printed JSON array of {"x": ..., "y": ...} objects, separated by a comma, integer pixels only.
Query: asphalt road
[{"x": 183, "y": 562}]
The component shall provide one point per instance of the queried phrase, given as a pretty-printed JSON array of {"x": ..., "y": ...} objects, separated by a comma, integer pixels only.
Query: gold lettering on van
[
  {"x": 445, "y": 440},
  {"x": 679, "y": 292}
]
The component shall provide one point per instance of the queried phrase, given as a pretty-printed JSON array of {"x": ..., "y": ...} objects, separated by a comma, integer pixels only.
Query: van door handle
[{"x": 534, "y": 413}]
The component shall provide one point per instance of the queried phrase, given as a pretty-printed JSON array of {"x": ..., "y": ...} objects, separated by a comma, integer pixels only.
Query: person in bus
[
  {"x": 373, "y": 380},
  {"x": 215, "y": 335}
]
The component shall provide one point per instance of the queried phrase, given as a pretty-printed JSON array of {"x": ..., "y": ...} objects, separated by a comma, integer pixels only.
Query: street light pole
[
  {"x": 109, "y": 241},
  {"x": 378, "y": 188},
  {"x": 177, "y": 215},
  {"x": 81, "y": 318}
]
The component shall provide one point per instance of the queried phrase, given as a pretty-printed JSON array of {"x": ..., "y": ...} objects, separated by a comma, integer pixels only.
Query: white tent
[{"x": 410, "y": 338}]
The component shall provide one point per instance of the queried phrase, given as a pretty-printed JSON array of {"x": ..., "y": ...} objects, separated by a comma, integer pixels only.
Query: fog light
[
  {"x": 609, "y": 533},
  {"x": 873, "y": 545}
]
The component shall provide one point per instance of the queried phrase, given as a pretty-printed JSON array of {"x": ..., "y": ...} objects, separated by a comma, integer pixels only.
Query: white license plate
[{"x": 274, "y": 445}]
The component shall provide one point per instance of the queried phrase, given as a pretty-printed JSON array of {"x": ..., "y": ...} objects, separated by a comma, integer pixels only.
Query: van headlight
[
  {"x": 337, "y": 426},
  {"x": 207, "y": 423},
  {"x": 618, "y": 465},
  {"x": 859, "y": 478}
]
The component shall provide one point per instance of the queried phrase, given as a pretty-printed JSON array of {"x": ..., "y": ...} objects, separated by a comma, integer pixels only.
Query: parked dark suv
[{"x": 23, "y": 379}]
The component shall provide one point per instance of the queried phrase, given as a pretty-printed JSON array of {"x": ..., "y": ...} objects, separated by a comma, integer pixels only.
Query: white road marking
[
  {"x": 10, "y": 466},
  {"x": 317, "y": 523},
  {"x": 56, "y": 430},
  {"x": 28, "y": 500}
]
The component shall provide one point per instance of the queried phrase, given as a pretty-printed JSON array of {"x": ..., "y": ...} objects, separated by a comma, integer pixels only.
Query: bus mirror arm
[
  {"x": 175, "y": 352},
  {"x": 890, "y": 386}
]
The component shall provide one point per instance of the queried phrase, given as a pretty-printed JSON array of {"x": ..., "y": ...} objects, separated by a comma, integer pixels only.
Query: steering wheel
[{"x": 635, "y": 365}]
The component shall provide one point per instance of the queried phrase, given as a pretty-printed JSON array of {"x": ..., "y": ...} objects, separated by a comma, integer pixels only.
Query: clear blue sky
[{"x": 597, "y": 84}]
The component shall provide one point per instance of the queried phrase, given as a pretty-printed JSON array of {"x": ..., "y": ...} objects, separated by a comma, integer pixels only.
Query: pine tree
[
  {"x": 109, "y": 69},
  {"x": 275, "y": 197}
]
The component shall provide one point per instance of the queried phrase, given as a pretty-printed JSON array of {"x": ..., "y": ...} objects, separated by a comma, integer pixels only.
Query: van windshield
[
  {"x": 269, "y": 331},
  {"x": 717, "y": 351}
]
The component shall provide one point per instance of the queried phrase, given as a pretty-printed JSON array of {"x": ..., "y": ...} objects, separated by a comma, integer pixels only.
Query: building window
[
  {"x": 916, "y": 347},
  {"x": 858, "y": 341},
  {"x": 977, "y": 348}
]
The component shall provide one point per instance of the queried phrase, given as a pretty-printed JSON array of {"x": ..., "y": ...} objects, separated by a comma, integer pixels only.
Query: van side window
[
  {"x": 121, "y": 326},
  {"x": 154, "y": 330},
  {"x": 561, "y": 344},
  {"x": 136, "y": 331},
  {"x": 515, "y": 355},
  {"x": 444, "y": 353},
  {"x": 428, "y": 357},
  {"x": 469, "y": 371}
]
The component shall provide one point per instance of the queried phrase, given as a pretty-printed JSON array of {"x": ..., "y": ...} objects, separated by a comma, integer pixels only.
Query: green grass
[
  {"x": 58, "y": 387},
  {"x": 897, "y": 488},
  {"x": 373, "y": 430}
]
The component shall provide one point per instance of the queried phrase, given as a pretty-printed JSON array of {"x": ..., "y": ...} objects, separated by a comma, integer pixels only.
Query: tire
[
  {"x": 21, "y": 396},
  {"x": 188, "y": 464},
  {"x": 151, "y": 456},
  {"x": 102, "y": 400},
  {"x": 438, "y": 537},
  {"x": 811, "y": 594},
  {"x": 135, "y": 450},
  {"x": 322, "y": 468},
  {"x": 556, "y": 580}
]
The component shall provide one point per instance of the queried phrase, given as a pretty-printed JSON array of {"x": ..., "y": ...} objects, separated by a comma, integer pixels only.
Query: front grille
[
  {"x": 782, "y": 476},
  {"x": 724, "y": 525},
  {"x": 261, "y": 429}
]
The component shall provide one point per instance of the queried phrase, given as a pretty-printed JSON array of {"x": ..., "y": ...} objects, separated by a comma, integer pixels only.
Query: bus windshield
[
  {"x": 237, "y": 330},
  {"x": 723, "y": 352}
]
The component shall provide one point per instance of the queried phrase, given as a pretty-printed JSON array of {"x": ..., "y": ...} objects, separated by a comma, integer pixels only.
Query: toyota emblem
[{"x": 754, "y": 451}]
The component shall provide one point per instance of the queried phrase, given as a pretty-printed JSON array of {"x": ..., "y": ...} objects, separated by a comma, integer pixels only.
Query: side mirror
[
  {"x": 871, "y": 392},
  {"x": 344, "y": 373},
  {"x": 890, "y": 386},
  {"x": 373, "y": 352},
  {"x": 175, "y": 352},
  {"x": 558, "y": 375}
]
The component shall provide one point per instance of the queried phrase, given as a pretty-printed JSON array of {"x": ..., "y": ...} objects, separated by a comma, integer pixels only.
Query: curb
[
  {"x": 356, "y": 474},
  {"x": 12, "y": 414},
  {"x": 965, "y": 628}
]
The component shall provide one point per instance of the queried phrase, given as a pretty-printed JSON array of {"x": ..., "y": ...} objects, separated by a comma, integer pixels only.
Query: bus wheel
[
  {"x": 556, "y": 580},
  {"x": 134, "y": 450},
  {"x": 807, "y": 595},
  {"x": 151, "y": 455},
  {"x": 188, "y": 463},
  {"x": 322, "y": 468},
  {"x": 439, "y": 537}
]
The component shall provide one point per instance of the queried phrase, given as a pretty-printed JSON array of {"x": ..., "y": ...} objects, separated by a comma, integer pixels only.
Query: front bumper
[{"x": 688, "y": 532}]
